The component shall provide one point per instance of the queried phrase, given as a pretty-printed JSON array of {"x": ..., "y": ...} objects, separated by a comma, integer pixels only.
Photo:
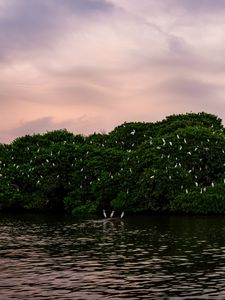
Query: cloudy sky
[{"x": 89, "y": 65}]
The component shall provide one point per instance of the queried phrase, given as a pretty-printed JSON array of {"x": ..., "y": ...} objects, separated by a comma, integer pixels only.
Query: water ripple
[{"x": 139, "y": 258}]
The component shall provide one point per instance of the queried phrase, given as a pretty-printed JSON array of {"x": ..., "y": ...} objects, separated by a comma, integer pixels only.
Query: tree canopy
[{"x": 176, "y": 165}]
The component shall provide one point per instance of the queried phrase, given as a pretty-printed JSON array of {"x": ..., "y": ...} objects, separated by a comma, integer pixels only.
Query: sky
[{"x": 91, "y": 65}]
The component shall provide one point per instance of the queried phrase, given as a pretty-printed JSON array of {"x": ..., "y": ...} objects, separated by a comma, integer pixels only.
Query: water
[{"x": 166, "y": 257}]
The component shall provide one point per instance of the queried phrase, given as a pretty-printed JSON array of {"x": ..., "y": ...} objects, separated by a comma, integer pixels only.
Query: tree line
[{"x": 175, "y": 165}]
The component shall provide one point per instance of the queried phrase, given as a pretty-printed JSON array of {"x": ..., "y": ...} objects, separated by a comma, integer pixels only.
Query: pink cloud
[{"x": 90, "y": 65}]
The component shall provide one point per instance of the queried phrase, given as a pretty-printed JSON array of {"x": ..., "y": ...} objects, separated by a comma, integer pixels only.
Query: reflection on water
[{"x": 166, "y": 257}]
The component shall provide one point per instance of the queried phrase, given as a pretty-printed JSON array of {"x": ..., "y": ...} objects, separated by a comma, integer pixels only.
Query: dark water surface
[{"x": 166, "y": 257}]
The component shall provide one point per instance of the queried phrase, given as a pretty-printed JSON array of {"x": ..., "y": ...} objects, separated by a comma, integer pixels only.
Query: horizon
[
  {"x": 104, "y": 132},
  {"x": 91, "y": 65}
]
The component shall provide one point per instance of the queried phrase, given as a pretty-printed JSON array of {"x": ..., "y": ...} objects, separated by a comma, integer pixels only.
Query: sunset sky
[{"x": 90, "y": 65}]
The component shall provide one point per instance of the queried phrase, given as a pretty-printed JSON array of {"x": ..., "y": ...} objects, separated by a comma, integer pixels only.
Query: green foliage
[
  {"x": 203, "y": 202},
  {"x": 87, "y": 208},
  {"x": 177, "y": 164}
]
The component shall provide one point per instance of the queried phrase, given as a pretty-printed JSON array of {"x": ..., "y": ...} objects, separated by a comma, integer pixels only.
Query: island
[{"x": 176, "y": 165}]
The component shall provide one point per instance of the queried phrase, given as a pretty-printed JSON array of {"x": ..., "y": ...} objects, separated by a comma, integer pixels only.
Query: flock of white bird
[{"x": 52, "y": 162}]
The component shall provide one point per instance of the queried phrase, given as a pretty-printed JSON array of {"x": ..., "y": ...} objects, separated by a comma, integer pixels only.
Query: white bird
[
  {"x": 170, "y": 143},
  {"x": 185, "y": 141},
  {"x": 196, "y": 183},
  {"x": 186, "y": 191},
  {"x": 178, "y": 136},
  {"x": 112, "y": 213},
  {"x": 133, "y": 132},
  {"x": 180, "y": 148},
  {"x": 121, "y": 216},
  {"x": 213, "y": 184},
  {"x": 104, "y": 214}
]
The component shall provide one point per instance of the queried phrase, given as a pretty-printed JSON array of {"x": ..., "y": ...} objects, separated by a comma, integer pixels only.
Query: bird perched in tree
[
  {"x": 104, "y": 214},
  {"x": 122, "y": 215}
]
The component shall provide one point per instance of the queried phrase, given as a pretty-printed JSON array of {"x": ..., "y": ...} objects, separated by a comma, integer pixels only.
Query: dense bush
[
  {"x": 177, "y": 164},
  {"x": 210, "y": 200}
]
